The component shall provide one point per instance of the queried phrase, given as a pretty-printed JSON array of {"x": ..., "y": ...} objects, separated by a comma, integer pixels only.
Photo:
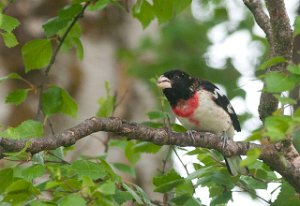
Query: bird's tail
[{"x": 233, "y": 166}]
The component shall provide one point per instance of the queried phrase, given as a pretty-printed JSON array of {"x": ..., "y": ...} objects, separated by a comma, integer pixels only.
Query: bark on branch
[
  {"x": 283, "y": 156},
  {"x": 271, "y": 154},
  {"x": 279, "y": 35},
  {"x": 131, "y": 131}
]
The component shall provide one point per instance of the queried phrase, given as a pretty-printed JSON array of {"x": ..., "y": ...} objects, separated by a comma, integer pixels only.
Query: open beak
[{"x": 163, "y": 82}]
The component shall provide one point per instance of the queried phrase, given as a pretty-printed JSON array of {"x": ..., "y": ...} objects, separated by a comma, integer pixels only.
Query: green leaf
[
  {"x": 10, "y": 39},
  {"x": 178, "y": 128},
  {"x": 163, "y": 10},
  {"x": 146, "y": 147},
  {"x": 122, "y": 197},
  {"x": 285, "y": 100},
  {"x": 52, "y": 26},
  {"x": 221, "y": 199},
  {"x": 69, "y": 105},
  {"x": 180, "y": 5},
  {"x": 38, "y": 158},
  {"x": 251, "y": 183},
  {"x": 278, "y": 82},
  {"x": 70, "y": 11},
  {"x": 262, "y": 171},
  {"x": 277, "y": 127},
  {"x": 153, "y": 124},
  {"x": 121, "y": 143},
  {"x": 107, "y": 104},
  {"x": 181, "y": 199},
  {"x": 17, "y": 96},
  {"x": 89, "y": 169},
  {"x": 296, "y": 138},
  {"x": 286, "y": 196},
  {"x": 71, "y": 41},
  {"x": 56, "y": 99},
  {"x": 79, "y": 48},
  {"x": 52, "y": 101},
  {"x": 167, "y": 9},
  {"x": 6, "y": 178},
  {"x": 107, "y": 188},
  {"x": 295, "y": 69},
  {"x": 200, "y": 172},
  {"x": 27, "y": 129},
  {"x": 144, "y": 12},
  {"x": 135, "y": 196},
  {"x": 131, "y": 154},
  {"x": 65, "y": 16},
  {"x": 74, "y": 200},
  {"x": 33, "y": 172},
  {"x": 98, "y": 5},
  {"x": 186, "y": 200},
  {"x": 8, "y": 23},
  {"x": 143, "y": 195},
  {"x": 36, "y": 54},
  {"x": 167, "y": 182},
  {"x": 297, "y": 26},
  {"x": 252, "y": 156},
  {"x": 125, "y": 168},
  {"x": 271, "y": 62},
  {"x": 157, "y": 115},
  {"x": 38, "y": 203},
  {"x": 256, "y": 135},
  {"x": 107, "y": 167},
  {"x": 10, "y": 76},
  {"x": 19, "y": 186}
]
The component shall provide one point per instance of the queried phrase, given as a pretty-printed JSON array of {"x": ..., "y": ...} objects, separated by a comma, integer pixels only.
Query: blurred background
[{"x": 214, "y": 40}]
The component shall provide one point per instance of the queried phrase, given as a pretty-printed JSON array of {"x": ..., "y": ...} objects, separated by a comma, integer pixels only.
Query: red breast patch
[{"x": 185, "y": 108}]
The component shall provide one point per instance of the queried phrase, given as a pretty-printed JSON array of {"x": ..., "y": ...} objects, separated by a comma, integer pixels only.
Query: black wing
[{"x": 221, "y": 100}]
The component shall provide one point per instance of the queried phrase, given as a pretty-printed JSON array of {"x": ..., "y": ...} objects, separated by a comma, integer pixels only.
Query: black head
[{"x": 176, "y": 85}]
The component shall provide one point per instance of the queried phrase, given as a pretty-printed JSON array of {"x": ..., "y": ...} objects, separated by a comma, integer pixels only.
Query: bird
[{"x": 200, "y": 105}]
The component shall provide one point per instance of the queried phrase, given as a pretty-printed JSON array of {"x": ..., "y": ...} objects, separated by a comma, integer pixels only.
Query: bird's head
[{"x": 176, "y": 85}]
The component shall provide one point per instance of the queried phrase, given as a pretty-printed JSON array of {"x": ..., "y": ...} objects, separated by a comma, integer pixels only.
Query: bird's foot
[
  {"x": 190, "y": 133},
  {"x": 224, "y": 138}
]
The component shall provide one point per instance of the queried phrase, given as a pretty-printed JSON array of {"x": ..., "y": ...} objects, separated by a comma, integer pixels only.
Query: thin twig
[
  {"x": 54, "y": 55},
  {"x": 62, "y": 160},
  {"x": 165, "y": 160},
  {"x": 51, "y": 127},
  {"x": 180, "y": 160},
  {"x": 253, "y": 193}
]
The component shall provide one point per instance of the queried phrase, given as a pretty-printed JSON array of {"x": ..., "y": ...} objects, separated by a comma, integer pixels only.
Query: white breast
[{"x": 210, "y": 116}]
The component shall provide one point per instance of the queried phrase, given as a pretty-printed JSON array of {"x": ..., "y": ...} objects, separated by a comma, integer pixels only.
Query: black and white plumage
[{"x": 200, "y": 105}]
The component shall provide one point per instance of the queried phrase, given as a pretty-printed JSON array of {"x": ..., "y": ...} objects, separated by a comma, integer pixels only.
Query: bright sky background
[{"x": 244, "y": 53}]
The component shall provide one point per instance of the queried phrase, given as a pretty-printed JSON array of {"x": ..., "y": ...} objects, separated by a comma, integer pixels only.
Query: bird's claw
[
  {"x": 224, "y": 138},
  {"x": 190, "y": 133}
]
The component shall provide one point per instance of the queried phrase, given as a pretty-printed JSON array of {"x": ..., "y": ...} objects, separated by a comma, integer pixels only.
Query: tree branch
[
  {"x": 281, "y": 30},
  {"x": 261, "y": 18},
  {"x": 271, "y": 153},
  {"x": 279, "y": 35},
  {"x": 131, "y": 131}
]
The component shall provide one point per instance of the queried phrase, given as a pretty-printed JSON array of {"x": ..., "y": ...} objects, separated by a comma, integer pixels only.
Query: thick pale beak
[{"x": 163, "y": 82}]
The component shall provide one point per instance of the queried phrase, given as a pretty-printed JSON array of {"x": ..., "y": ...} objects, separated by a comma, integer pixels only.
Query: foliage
[{"x": 183, "y": 43}]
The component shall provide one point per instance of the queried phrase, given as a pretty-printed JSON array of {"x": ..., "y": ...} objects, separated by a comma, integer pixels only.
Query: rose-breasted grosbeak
[{"x": 200, "y": 105}]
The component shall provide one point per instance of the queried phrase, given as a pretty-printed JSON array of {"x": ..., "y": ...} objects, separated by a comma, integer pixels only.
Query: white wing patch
[
  {"x": 230, "y": 109},
  {"x": 217, "y": 93}
]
